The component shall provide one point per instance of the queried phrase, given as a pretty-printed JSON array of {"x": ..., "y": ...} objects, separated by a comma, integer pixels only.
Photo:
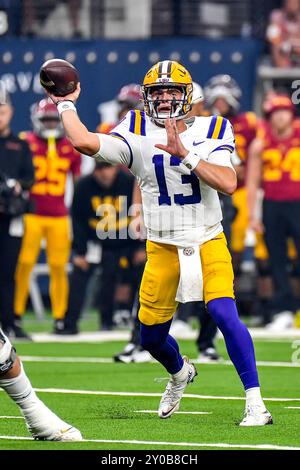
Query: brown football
[{"x": 58, "y": 77}]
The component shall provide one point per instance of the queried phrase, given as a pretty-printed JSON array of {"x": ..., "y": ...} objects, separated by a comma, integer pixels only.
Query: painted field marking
[
  {"x": 166, "y": 443},
  {"x": 12, "y": 417},
  {"x": 148, "y": 394},
  {"x": 177, "y": 412},
  {"x": 292, "y": 407},
  {"x": 108, "y": 360}
]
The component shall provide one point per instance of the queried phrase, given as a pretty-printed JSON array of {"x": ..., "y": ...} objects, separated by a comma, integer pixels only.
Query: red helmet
[
  {"x": 45, "y": 119},
  {"x": 275, "y": 101},
  {"x": 130, "y": 96}
]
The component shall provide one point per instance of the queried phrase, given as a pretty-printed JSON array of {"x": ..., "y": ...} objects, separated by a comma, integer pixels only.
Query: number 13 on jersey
[{"x": 180, "y": 199}]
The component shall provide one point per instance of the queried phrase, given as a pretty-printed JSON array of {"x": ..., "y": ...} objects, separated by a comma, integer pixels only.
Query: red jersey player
[
  {"x": 275, "y": 165},
  {"x": 53, "y": 158},
  {"x": 222, "y": 95}
]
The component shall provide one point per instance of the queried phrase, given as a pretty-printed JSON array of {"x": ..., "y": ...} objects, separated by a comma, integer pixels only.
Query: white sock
[
  {"x": 253, "y": 397},
  {"x": 20, "y": 390},
  {"x": 182, "y": 374}
]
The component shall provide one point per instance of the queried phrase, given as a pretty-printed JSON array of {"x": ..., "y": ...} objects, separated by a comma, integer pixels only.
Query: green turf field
[{"x": 112, "y": 417}]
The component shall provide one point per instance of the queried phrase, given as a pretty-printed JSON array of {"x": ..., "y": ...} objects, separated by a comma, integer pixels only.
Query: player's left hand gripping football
[
  {"x": 70, "y": 97},
  {"x": 174, "y": 145}
]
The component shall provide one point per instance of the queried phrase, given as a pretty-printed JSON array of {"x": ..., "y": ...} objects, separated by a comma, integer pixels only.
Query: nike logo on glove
[{"x": 198, "y": 143}]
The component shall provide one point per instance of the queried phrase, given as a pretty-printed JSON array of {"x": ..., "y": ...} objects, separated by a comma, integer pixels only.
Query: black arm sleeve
[
  {"x": 79, "y": 221},
  {"x": 26, "y": 177}
]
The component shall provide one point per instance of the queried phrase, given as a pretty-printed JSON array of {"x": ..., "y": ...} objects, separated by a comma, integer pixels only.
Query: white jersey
[{"x": 178, "y": 207}]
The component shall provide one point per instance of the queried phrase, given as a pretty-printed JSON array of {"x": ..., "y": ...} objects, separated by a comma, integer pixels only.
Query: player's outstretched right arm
[
  {"x": 100, "y": 146},
  {"x": 84, "y": 141}
]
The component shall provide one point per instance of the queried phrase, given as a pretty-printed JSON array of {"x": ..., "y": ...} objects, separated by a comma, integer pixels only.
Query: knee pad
[{"x": 7, "y": 354}]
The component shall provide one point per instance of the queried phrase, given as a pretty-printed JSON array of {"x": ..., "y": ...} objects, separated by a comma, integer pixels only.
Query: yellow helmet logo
[{"x": 168, "y": 73}]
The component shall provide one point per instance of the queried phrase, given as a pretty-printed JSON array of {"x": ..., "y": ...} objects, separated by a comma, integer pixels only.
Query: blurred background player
[
  {"x": 16, "y": 178},
  {"x": 275, "y": 165},
  {"x": 223, "y": 95},
  {"x": 54, "y": 158},
  {"x": 111, "y": 112},
  {"x": 100, "y": 226},
  {"x": 41, "y": 422}
]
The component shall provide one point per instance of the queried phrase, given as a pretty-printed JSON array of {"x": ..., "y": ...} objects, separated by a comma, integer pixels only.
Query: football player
[
  {"x": 53, "y": 159},
  {"x": 274, "y": 165},
  {"x": 179, "y": 165},
  {"x": 222, "y": 95},
  {"x": 41, "y": 422},
  {"x": 129, "y": 97}
]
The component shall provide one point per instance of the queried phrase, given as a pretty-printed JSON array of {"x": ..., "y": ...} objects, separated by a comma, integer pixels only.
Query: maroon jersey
[
  {"x": 53, "y": 160},
  {"x": 244, "y": 126},
  {"x": 281, "y": 164}
]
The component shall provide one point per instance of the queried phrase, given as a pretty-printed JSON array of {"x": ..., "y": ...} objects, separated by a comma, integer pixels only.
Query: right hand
[
  {"x": 70, "y": 97},
  {"x": 256, "y": 225},
  {"x": 81, "y": 263}
]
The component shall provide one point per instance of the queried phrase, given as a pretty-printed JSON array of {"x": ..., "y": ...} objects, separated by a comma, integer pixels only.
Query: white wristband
[
  {"x": 191, "y": 160},
  {"x": 65, "y": 106}
]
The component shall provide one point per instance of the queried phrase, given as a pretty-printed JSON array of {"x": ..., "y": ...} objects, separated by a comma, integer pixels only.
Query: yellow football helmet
[{"x": 167, "y": 74}]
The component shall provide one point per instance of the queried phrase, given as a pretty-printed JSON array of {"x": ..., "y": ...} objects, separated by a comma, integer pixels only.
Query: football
[{"x": 58, "y": 77}]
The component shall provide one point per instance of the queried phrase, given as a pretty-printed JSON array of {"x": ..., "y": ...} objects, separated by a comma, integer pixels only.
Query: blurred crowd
[{"x": 88, "y": 19}]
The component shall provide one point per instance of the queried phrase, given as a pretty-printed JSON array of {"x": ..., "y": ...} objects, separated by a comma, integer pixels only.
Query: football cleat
[
  {"x": 44, "y": 425},
  {"x": 256, "y": 415},
  {"x": 133, "y": 353},
  {"x": 281, "y": 321},
  {"x": 170, "y": 400},
  {"x": 65, "y": 434},
  {"x": 208, "y": 356}
]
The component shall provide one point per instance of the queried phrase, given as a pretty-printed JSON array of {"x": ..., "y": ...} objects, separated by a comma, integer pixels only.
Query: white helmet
[
  {"x": 223, "y": 86},
  {"x": 197, "y": 93}
]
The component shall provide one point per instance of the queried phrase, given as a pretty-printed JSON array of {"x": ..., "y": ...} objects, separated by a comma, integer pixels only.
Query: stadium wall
[{"x": 106, "y": 65}]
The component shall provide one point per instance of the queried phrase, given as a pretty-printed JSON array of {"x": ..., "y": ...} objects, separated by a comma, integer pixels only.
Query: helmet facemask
[
  {"x": 179, "y": 107},
  {"x": 46, "y": 121}
]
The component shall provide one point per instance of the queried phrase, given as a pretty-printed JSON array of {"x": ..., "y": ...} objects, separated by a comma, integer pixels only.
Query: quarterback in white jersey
[
  {"x": 179, "y": 208},
  {"x": 179, "y": 165}
]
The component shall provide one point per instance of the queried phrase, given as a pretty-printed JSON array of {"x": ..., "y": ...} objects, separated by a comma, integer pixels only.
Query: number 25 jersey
[
  {"x": 53, "y": 160},
  {"x": 178, "y": 207}
]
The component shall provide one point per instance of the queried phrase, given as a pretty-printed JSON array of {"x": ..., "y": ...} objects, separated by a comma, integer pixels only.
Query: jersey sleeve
[
  {"x": 118, "y": 146},
  {"x": 222, "y": 149},
  {"x": 76, "y": 164}
]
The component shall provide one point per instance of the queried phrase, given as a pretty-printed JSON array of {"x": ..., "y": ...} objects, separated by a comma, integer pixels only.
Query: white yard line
[
  {"x": 292, "y": 407},
  {"x": 177, "y": 412},
  {"x": 11, "y": 417},
  {"x": 103, "y": 336},
  {"x": 96, "y": 360},
  {"x": 166, "y": 443},
  {"x": 148, "y": 394},
  {"x": 108, "y": 360}
]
